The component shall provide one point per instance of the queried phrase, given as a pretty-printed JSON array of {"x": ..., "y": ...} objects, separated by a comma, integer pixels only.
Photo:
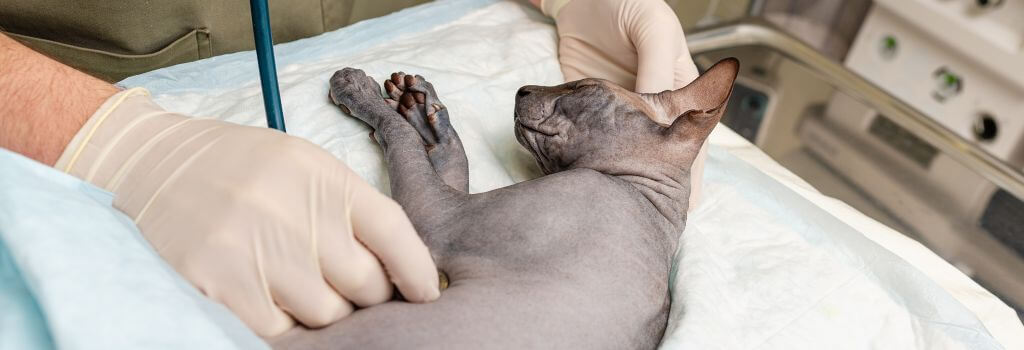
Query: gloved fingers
[
  {"x": 242, "y": 290},
  {"x": 382, "y": 226},
  {"x": 686, "y": 71},
  {"x": 659, "y": 43},
  {"x": 352, "y": 270},
  {"x": 306, "y": 296},
  {"x": 656, "y": 58},
  {"x": 260, "y": 314}
]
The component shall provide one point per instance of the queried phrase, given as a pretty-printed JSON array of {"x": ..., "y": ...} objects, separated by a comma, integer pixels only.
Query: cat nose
[{"x": 522, "y": 92}]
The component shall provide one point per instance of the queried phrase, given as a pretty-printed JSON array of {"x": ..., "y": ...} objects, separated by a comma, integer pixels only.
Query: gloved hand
[
  {"x": 637, "y": 44},
  {"x": 268, "y": 224}
]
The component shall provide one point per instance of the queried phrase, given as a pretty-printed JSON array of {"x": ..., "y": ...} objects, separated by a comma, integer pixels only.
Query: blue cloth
[
  {"x": 22, "y": 325},
  {"x": 75, "y": 273}
]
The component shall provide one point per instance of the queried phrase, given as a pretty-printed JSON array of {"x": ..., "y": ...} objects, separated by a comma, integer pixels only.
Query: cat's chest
[{"x": 549, "y": 221}]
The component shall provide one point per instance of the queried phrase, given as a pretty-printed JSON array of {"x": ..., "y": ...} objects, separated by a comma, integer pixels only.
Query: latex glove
[
  {"x": 268, "y": 224},
  {"x": 637, "y": 44}
]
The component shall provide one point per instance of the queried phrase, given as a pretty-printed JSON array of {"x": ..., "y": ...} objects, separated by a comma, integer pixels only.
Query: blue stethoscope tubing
[{"x": 265, "y": 57}]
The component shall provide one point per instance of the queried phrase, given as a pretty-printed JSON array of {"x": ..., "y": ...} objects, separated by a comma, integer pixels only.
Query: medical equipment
[
  {"x": 959, "y": 62},
  {"x": 925, "y": 142},
  {"x": 962, "y": 64},
  {"x": 265, "y": 56}
]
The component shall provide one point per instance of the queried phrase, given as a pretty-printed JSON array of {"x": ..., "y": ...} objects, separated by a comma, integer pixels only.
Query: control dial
[{"x": 985, "y": 127}]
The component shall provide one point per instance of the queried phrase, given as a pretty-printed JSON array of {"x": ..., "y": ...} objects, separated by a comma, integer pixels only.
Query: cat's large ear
[{"x": 695, "y": 108}]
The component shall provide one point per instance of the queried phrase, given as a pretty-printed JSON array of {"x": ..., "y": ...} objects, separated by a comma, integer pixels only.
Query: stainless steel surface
[{"x": 762, "y": 34}]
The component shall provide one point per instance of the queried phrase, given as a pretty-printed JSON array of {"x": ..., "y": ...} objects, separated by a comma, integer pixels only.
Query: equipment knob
[
  {"x": 989, "y": 3},
  {"x": 985, "y": 127},
  {"x": 947, "y": 84}
]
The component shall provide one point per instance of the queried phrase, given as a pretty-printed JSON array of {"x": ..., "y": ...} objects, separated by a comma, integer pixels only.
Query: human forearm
[{"x": 43, "y": 103}]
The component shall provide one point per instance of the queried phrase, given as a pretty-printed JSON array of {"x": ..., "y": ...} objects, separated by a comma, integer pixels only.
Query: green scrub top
[{"x": 114, "y": 39}]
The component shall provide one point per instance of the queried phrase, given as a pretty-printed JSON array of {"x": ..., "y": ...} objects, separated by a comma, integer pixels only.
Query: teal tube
[{"x": 268, "y": 70}]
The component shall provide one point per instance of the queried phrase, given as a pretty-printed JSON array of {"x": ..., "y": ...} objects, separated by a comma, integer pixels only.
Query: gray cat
[{"x": 577, "y": 259}]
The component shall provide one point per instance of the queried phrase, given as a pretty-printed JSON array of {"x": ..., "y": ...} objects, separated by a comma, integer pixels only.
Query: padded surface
[{"x": 765, "y": 262}]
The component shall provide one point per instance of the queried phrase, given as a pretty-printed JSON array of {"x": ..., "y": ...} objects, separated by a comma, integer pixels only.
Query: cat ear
[{"x": 696, "y": 108}]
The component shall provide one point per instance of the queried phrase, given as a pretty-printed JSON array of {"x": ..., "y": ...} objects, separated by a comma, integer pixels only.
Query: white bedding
[{"x": 765, "y": 262}]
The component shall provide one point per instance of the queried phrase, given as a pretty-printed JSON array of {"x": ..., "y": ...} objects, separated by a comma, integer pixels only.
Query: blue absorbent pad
[{"x": 75, "y": 273}]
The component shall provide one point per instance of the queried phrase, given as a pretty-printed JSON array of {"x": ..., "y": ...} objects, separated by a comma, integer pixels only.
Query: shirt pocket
[{"x": 112, "y": 67}]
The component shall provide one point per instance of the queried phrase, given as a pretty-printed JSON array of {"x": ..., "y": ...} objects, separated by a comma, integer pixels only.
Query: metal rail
[{"x": 762, "y": 34}]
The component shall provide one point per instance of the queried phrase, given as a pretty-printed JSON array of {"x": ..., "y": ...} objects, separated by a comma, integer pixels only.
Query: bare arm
[{"x": 43, "y": 103}]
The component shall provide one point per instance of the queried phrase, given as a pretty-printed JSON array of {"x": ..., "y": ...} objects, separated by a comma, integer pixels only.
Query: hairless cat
[{"x": 576, "y": 259}]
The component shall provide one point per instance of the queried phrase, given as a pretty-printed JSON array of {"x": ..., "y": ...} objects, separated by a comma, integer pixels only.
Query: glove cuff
[
  {"x": 107, "y": 141},
  {"x": 551, "y": 7},
  {"x": 73, "y": 151}
]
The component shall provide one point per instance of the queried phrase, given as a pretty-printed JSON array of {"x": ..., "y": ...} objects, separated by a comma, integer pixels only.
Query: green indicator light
[
  {"x": 951, "y": 80},
  {"x": 889, "y": 42},
  {"x": 888, "y": 47},
  {"x": 947, "y": 84}
]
